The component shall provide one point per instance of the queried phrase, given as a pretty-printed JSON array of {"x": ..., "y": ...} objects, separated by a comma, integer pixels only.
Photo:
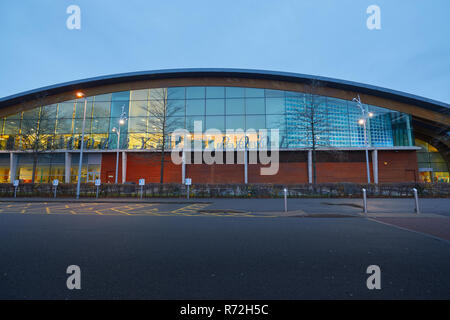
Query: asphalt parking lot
[
  {"x": 103, "y": 208},
  {"x": 220, "y": 250}
]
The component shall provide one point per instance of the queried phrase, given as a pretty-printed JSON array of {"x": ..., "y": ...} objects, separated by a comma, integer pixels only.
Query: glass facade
[
  {"x": 431, "y": 164},
  {"x": 151, "y": 113}
]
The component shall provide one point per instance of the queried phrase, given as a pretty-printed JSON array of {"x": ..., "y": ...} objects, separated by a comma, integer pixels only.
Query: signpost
[
  {"x": 16, "y": 185},
  {"x": 55, "y": 185},
  {"x": 142, "y": 184},
  {"x": 97, "y": 184},
  {"x": 188, "y": 182}
]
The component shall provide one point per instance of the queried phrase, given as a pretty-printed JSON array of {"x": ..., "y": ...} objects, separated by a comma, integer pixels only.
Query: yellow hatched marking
[
  {"x": 153, "y": 211},
  {"x": 116, "y": 210},
  {"x": 98, "y": 212},
  {"x": 72, "y": 212},
  {"x": 47, "y": 209},
  {"x": 190, "y": 208}
]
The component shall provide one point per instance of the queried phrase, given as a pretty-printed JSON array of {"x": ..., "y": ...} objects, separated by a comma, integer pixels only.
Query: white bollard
[
  {"x": 364, "y": 200},
  {"x": 416, "y": 197},
  {"x": 285, "y": 200}
]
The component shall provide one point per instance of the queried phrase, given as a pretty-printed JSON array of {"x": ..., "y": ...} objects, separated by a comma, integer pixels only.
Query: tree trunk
[
  {"x": 314, "y": 166},
  {"x": 161, "y": 180}
]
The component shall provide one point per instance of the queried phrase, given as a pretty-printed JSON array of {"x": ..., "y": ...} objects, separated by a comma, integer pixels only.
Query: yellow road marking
[
  {"x": 114, "y": 209},
  {"x": 192, "y": 208},
  {"x": 47, "y": 209},
  {"x": 72, "y": 212}
]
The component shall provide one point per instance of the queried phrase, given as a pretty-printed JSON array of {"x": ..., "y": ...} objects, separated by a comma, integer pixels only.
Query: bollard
[
  {"x": 187, "y": 193},
  {"x": 364, "y": 200},
  {"x": 15, "y": 191},
  {"x": 142, "y": 191},
  {"x": 96, "y": 194},
  {"x": 416, "y": 197},
  {"x": 54, "y": 192},
  {"x": 285, "y": 200}
]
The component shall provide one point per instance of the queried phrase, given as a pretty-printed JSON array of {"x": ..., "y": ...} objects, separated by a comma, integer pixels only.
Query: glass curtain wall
[{"x": 152, "y": 114}]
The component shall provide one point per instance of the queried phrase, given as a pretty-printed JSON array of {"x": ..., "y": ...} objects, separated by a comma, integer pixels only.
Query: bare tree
[
  {"x": 37, "y": 132},
  {"x": 308, "y": 117},
  {"x": 161, "y": 122}
]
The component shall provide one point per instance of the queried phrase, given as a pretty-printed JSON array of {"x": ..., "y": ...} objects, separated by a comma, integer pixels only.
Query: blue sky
[{"x": 329, "y": 38}]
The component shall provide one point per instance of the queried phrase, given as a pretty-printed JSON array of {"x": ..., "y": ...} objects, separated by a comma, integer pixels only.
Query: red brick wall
[
  {"x": 397, "y": 166},
  {"x": 148, "y": 166},
  {"x": 393, "y": 166},
  {"x": 216, "y": 173},
  {"x": 355, "y": 172},
  {"x": 288, "y": 172},
  {"x": 108, "y": 169}
]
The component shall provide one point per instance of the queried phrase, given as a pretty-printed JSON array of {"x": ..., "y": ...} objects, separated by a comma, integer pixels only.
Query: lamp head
[
  {"x": 361, "y": 121},
  {"x": 79, "y": 94}
]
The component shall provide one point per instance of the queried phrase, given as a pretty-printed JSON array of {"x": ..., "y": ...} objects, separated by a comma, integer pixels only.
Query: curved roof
[{"x": 219, "y": 72}]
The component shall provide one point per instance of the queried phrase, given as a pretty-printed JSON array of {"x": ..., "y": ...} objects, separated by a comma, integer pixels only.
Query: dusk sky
[{"x": 410, "y": 53}]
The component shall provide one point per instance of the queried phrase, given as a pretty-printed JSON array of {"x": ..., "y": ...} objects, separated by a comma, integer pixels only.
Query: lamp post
[
  {"x": 363, "y": 121},
  {"x": 81, "y": 95},
  {"x": 117, "y": 130}
]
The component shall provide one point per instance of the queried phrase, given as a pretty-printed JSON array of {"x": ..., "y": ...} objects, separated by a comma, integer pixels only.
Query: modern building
[{"x": 407, "y": 137}]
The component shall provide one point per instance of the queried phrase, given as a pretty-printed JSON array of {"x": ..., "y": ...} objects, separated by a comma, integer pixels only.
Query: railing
[{"x": 229, "y": 190}]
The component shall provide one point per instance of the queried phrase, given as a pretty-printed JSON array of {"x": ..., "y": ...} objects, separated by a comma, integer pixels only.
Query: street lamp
[
  {"x": 365, "y": 116},
  {"x": 123, "y": 117},
  {"x": 80, "y": 95}
]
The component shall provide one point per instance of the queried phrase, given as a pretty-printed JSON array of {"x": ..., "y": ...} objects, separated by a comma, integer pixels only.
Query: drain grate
[{"x": 343, "y": 204}]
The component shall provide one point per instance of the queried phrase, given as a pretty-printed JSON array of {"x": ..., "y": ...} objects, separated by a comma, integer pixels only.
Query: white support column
[
  {"x": 183, "y": 167},
  {"x": 12, "y": 166},
  {"x": 310, "y": 177},
  {"x": 375, "y": 165},
  {"x": 245, "y": 166},
  {"x": 124, "y": 166},
  {"x": 67, "y": 166}
]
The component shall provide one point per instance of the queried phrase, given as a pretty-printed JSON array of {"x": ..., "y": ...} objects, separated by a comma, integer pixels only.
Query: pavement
[{"x": 224, "y": 249}]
